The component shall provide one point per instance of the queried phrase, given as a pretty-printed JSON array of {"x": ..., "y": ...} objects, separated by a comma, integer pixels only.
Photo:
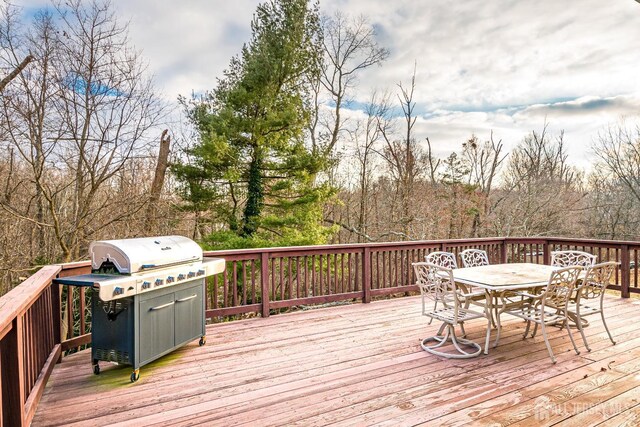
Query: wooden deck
[{"x": 361, "y": 364}]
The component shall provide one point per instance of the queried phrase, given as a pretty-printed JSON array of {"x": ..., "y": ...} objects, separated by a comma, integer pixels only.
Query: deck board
[{"x": 359, "y": 364}]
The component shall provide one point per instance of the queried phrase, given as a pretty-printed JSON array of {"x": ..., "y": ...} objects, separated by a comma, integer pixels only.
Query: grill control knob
[
  {"x": 200, "y": 273},
  {"x": 159, "y": 282},
  {"x": 191, "y": 274},
  {"x": 170, "y": 279},
  {"x": 181, "y": 276},
  {"x": 146, "y": 285},
  {"x": 118, "y": 290}
]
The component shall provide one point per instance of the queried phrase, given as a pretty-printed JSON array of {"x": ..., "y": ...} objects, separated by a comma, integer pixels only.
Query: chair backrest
[
  {"x": 474, "y": 257},
  {"x": 442, "y": 259},
  {"x": 572, "y": 258},
  {"x": 597, "y": 278},
  {"x": 436, "y": 285},
  {"x": 560, "y": 287}
]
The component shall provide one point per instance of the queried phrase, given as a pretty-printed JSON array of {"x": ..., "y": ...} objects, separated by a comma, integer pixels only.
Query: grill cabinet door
[
  {"x": 189, "y": 313},
  {"x": 156, "y": 326}
]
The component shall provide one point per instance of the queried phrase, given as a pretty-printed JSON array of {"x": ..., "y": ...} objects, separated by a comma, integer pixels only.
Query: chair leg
[
  {"x": 464, "y": 333},
  {"x": 606, "y": 327},
  {"x": 578, "y": 322},
  {"x": 435, "y": 306},
  {"x": 450, "y": 336},
  {"x": 575, "y": 347},
  {"x": 535, "y": 330},
  {"x": 546, "y": 341}
]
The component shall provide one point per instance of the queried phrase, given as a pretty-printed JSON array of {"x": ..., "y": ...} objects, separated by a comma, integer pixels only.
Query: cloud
[{"x": 502, "y": 65}]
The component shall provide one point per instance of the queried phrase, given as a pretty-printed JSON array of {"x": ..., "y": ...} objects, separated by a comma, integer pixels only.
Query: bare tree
[
  {"x": 77, "y": 117},
  {"x": 541, "y": 192},
  {"x": 350, "y": 46},
  {"x": 484, "y": 160},
  {"x": 618, "y": 148},
  {"x": 404, "y": 157}
]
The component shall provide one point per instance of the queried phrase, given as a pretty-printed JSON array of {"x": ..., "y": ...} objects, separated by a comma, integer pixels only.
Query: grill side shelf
[{"x": 85, "y": 279}]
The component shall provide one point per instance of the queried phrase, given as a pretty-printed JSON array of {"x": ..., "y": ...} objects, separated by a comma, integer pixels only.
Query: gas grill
[{"x": 148, "y": 298}]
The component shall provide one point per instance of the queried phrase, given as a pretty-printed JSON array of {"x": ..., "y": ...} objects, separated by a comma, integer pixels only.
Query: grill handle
[
  {"x": 187, "y": 298},
  {"x": 159, "y": 307}
]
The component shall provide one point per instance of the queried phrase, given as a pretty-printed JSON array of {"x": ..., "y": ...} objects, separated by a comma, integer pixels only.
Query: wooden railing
[
  {"x": 40, "y": 322},
  {"x": 266, "y": 281}
]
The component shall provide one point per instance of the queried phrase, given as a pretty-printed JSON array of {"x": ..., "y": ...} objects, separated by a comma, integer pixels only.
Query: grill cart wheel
[
  {"x": 135, "y": 375},
  {"x": 203, "y": 341},
  {"x": 96, "y": 369}
]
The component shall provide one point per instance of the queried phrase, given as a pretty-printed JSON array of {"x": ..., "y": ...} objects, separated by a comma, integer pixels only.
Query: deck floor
[{"x": 361, "y": 364}]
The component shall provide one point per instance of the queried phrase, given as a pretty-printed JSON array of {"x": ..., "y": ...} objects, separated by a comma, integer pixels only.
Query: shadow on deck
[{"x": 359, "y": 365}]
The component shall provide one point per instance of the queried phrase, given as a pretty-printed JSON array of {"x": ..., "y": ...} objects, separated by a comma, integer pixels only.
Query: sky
[{"x": 506, "y": 66}]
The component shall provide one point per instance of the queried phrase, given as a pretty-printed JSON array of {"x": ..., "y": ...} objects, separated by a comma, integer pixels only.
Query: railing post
[
  {"x": 13, "y": 397},
  {"x": 366, "y": 275},
  {"x": 625, "y": 271},
  {"x": 503, "y": 252},
  {"x": 57, "y": 317},
  {"x": 546, "y": 254},
  {"x": 264, "y": 278}
]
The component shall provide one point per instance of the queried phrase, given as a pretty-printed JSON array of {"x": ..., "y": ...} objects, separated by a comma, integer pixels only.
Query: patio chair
[
  {"x": 548, "y": 307},
  {"x": 590, "y": 296},
  {"x": 474, "y": 258},
  {"x": 442, "y": 259},
  {"x": 572, "y": 258},
  {"x": 436, "y": 284},
  {"x": 477, "y": 258},
  {"x": 448, "y": 260}
]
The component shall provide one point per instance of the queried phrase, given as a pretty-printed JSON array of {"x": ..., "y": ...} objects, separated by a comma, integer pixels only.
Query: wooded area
[{"x": 274, "y": 155}]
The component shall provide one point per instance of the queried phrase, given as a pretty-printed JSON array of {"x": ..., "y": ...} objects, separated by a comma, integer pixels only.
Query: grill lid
[{"x": 135, "y": 255}]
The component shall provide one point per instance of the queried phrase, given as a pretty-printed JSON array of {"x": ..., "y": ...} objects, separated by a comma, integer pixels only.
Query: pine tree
[{"x": 251, "y": 166}]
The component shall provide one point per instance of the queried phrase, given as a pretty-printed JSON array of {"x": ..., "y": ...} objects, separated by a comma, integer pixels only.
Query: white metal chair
[
  {"x": 549, "y": 306},
  {"x": 442, "y": 259},
  {"x": 477, "y": 258},
  {"x": 474, "y": 258},
  {"x": 590, "y": 296},
  {"x": 436, "y": 284},
  {"x": 572, "y": 258}
]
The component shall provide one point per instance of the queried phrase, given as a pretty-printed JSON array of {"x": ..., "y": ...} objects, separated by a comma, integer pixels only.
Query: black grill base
[{"x": 139, "y": 329}]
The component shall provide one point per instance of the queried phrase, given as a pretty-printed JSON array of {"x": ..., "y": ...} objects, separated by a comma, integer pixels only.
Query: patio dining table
[{"x": 498, "y": 279}]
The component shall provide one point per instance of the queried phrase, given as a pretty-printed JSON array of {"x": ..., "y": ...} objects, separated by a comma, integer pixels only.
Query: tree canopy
[{"x": 251, "y": 166}]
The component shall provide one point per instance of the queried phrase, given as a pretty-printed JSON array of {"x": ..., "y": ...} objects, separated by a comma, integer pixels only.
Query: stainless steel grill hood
[{"x": 130, "y": 256}]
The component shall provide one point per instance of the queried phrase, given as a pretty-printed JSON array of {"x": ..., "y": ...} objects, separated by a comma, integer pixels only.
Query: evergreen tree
[{"x": 251, "y": 166}]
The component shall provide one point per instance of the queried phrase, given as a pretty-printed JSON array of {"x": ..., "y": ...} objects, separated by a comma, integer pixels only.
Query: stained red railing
[
  {"x": 300, "y": 276},
  {"x": 39, "y": 322},
  {"x": 29, "y": 344}
]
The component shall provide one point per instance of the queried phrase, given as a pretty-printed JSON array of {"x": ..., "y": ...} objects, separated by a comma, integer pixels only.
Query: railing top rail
[
  {"x": 448, "y": 242},
  {"x": 356, "y": 246},
  {"x": 75, "y": 264},
  {"x": 20, "y": 298}
]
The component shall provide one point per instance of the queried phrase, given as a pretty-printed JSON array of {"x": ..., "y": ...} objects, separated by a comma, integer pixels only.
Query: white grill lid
[{"x": 134, "y": 255}]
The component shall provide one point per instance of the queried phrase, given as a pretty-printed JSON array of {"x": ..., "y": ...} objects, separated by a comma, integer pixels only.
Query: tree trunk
[
  {"x": 5, "y": 81},
  {"x": 255, "y": 196},
  {"x": 158, "y": 181}
]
